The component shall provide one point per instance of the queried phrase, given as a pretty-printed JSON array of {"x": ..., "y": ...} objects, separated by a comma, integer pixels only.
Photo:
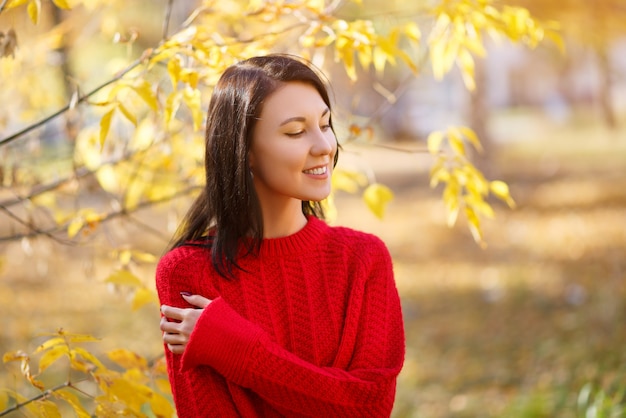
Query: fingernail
[{"x": 185, "y": 294}]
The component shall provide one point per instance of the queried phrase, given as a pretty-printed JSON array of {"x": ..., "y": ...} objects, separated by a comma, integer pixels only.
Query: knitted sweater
[{"x": 311, "y": 327}]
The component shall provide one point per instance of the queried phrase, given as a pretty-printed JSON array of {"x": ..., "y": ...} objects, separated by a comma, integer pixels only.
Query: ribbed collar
[{"x": 299, "y": 242}]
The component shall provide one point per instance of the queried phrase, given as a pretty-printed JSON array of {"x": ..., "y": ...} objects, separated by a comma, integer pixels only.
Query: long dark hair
[{"x": 228, "y": 208}]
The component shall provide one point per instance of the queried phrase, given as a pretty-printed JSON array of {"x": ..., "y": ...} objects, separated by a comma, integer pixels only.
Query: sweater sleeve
[
  {"x": 360, "y": 384},
  {"x": 172, "y": 277}
]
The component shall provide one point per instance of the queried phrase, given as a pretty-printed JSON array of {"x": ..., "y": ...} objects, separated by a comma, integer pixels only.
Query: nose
[{"x": 324, "y": 143}]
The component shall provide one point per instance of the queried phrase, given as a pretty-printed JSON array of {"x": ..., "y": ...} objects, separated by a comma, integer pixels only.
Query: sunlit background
[{"x": 532, "y": 325}]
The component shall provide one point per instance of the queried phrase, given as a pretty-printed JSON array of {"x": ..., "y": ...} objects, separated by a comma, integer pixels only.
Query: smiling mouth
[{"x": 316, "y": 170}]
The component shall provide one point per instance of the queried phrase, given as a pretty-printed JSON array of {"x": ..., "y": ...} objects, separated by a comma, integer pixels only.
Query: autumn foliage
[{"x": 140, "y": 143}]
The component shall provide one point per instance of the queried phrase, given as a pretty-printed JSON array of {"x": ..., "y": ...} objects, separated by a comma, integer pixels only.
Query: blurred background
[{"x": 530, "y": 326}]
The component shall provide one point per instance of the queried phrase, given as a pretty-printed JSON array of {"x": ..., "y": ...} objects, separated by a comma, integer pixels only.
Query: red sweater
[{"x": 312, "y": 327}]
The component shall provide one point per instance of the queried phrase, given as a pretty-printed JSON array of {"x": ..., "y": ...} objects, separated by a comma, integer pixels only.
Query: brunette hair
[{"x": 228, "y": 209}]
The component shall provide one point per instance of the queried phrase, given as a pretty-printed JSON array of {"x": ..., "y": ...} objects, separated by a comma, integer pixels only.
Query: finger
[
  {"x": 176, "y": 348},
  {"x": 171, "y": 312},
  {"x": 168, "y": 326},
  {"x": 174, "y": 339},
  {"x": 197, "y": 300}
]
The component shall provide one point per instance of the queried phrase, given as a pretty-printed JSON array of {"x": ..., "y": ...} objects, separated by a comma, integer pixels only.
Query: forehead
[{"x": 293, "y": 99}]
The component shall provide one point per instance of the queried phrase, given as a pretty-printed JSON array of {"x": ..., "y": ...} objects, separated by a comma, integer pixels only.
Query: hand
[{"x": 178, "y": 323}]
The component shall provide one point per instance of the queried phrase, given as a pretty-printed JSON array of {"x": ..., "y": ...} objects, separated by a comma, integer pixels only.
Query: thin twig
[
  {"x": 109, "y": 216},
  {"x": 67, "y": 107},
  {"x": 42, "y": 395},
  {"x": 3, "y": 4},
  {"x": 32, "y": 228},
  {"x": 166, "y": 21}
]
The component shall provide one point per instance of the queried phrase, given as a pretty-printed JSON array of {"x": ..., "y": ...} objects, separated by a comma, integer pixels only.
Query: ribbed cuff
[{"x": 222, "y": 339}]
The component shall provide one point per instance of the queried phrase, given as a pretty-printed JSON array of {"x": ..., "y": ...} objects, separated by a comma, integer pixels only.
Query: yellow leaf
[
  {"x": 467, "y": 66},
  {"x": 62, "y": 4},
  {"x": 348, "y": 180},
  {"x": 14, "y": 3},
  {"x": 456, "y": 142},
  {"x": 48, "y": 409},
  {"x": 134, "y": 193},
  {"x": 127, "y": 359},
  {"x": 79, "y": 351},
  {"x": 51, "y": 356},
  {"x": 144, "y": 90},
  {"x": 439, "y": 173},
  {"x": 474, "y": 225},
  {"x": 124, "y": 257},
  {"x": 377, "y": 196},
  {"x": 471, "y": 137},
  {"x": 73, "y": 400},
  {"x": 131, "y": 118},
  {"x": 164, "y": 385},
  {"x": 143, "y": 297},
  {"x": 451, "y": 201},
  {"x": 108, "y": 179},
  {"x": 52, "y": 342},
  {"x": 82, "y": 338},
  {"x": 4, "y": 398},
  {"x": 75, "y": 226},
  {"x": 434, "y": 142},
  {"x": 412, "y": 31},
  {"x": 171, "y": 106},
  {"x": 18, "y": 355},
  {"x": 501, "y": 190},
  {"x": 143, "y": 256},
  {"x": 34, "y": 9},
  {"x": 161, "y": 406},
  {"x": 124, "y": 277},
  {"x": 105, "y": 125},
  {"x": 193, "y": 100}
]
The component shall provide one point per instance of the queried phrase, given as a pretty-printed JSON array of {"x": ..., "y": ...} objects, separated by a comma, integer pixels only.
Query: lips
[{"x": 316, "y": 170}]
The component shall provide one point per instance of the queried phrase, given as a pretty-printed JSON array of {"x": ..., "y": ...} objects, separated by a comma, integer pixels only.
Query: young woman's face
[{"x": 293, "y": 146}]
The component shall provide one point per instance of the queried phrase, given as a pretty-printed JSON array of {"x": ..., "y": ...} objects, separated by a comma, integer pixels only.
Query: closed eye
[{"x": 294, "y": 134}]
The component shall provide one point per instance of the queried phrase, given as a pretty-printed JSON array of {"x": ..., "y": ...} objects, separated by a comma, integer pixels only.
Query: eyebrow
[{"x": 300, "y": 118}]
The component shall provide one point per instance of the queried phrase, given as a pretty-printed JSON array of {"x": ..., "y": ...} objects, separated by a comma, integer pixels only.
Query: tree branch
[
  {"x": 11, "y": 138},
  {"x": 42, "y": 395},
  {"x": 32, "y": 228},
  {"x": 109, "y": 216},
  {"x": 166, "y": 21}
]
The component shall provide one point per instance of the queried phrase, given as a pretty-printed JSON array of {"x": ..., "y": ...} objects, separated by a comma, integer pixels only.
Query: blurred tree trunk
[
  {"x": 606, "y": 85},
  {"x": 70, "y": 118},
  {"x": 479, "y": 115}
]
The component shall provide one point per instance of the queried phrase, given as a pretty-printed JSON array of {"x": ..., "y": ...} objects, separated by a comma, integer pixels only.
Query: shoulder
[
  {"x": 363, "y": 245},
  {"x": 186, "y": 258}
]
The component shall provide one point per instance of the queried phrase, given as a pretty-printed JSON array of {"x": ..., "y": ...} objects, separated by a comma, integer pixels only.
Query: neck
[{"x": 283, "y": 220}]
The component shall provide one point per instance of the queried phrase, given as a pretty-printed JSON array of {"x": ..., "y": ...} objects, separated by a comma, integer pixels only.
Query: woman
[{"x": 266, "y": 310}]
